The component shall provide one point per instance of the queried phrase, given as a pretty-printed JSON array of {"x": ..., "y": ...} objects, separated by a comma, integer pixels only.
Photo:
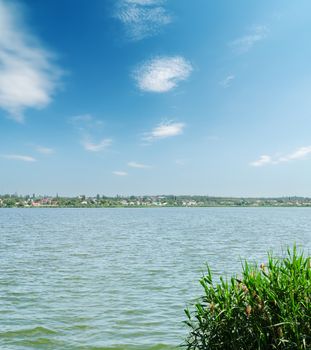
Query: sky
[{"x": 138, "y": 97}]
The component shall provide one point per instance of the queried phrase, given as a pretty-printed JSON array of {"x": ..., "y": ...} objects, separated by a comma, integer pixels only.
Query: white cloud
[
  {"x": 138, "y": 165},
  {"x": 28, "y": 77},
  {"x": 142, "y": 18},
  {"x": 19, "y": 157},
  {"x": 44, "y": 150},
  {"x": 162, "y": 74},
  {"x": 90, "y": 129},
  {"x": 96, "y": 147},
  {"x": 120, "y": 173},
  {"x": 246, "y": 42},
  {"x": 300, "y": 153},
  {"x": 164, "y": 130},
  {"x": 263, "y": 160},
  {"x": 227, "y": 81}
]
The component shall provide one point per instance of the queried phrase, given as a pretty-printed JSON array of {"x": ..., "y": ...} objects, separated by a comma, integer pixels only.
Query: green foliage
[
  {"x": 268, "y": 308},
  {"x": 82, "y": 201}
]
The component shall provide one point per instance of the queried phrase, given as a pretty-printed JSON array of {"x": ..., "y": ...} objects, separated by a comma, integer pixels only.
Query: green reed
[{"x": 267, "y": 308}]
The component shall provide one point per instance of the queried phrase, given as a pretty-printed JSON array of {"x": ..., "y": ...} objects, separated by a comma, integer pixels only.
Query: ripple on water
[
  {"x": 24, "y": 332},
  {"x": 88, "y": 279}
]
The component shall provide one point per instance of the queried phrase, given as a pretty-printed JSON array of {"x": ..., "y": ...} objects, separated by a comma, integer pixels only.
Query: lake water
[{"x": 120, "y": 278}]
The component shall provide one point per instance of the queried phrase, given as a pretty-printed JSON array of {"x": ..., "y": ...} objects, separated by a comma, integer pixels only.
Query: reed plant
[{"x": 267, "y": 308}]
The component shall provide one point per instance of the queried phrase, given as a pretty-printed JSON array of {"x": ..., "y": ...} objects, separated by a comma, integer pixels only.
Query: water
[{"x": 120, "y": 278}]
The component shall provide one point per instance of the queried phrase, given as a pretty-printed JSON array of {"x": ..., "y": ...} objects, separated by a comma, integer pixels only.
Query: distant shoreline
[
  {"x": 159, "y": 207},
  {"x": 161, "y": 201}
]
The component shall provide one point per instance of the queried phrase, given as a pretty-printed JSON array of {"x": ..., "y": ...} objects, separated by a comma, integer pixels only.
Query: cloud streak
[
  {"x": 245, "y": 43},
  {"x": 28, "y": 76},
  {"x": 162, "y": 74},
  {"x": 86, "y": 122},
  {"x": 263, "y": 160},
  {"x": 120, "y": 173},
  {"x": 227, "y": 81},
  {"x": 164, "y": 130},
  {"x": 19, "y": 157},
  {"x": 90, "y": 129},
  {"x": 138, "y": 165},
  {"x": 45, "y": 150},
  {"x": 299, "y": 154},
  {"x": 96, "y": 147},
  {"x": 142, "y": 18}
]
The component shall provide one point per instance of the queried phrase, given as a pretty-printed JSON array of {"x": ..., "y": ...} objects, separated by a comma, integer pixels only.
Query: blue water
[{"x": 120, "y": 278}]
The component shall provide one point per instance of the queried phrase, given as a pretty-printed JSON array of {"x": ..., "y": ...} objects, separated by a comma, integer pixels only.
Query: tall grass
[{"x": 267, "y": 308}]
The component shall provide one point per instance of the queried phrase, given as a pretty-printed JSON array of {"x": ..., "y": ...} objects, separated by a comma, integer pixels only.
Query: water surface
[{"x": 120, "y": 278}]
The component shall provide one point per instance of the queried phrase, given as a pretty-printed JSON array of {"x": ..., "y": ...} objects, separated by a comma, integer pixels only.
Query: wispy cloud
[
  {"x": 19, "y": 157},
  {"x": 90, "y": 129},
  {"x": 138, "y": 165},
  {"x": 227, "y": 81},
  {"x": 300, "y": 153},
  {"x": 162, "y": 74},
  {"x": 246, "y": 42},
  {"x": 120, "y": 173},
  {"x": 164, "y": 130},
  {"x": 142, "y": 18},
  {"x": 263, "y": 160},
  {"x": 28, "y": 76},
  {"x": 96, "y": 147},
  {"x": 45, "y": 150},
  {"x": 86, "y": 122}
]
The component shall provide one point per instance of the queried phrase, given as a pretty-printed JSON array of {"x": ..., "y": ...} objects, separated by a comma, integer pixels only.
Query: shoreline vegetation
[
  {"x": 100, "y": 201},
  {"x": 268, "y": 307}
]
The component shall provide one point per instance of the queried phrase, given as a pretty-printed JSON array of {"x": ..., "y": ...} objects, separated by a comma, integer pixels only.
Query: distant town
[{"x": 100, "y": 201}]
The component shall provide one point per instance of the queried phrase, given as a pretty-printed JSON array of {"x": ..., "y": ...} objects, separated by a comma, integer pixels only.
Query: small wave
[
  {"x": 27, "y": 332},
  {"x": 132, "y": 347},
  {"x": 38, "y": 343}
]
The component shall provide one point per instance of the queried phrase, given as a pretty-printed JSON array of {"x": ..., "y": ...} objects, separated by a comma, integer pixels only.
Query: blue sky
[{"x": 155, "y": 97}]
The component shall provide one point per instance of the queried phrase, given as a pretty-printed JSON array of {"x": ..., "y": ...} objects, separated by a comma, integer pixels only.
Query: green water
[{"x": 120, "y": 278}]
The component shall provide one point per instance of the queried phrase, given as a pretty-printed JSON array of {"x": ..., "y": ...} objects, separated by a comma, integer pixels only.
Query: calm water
[{"x": 120, "y": 278}]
